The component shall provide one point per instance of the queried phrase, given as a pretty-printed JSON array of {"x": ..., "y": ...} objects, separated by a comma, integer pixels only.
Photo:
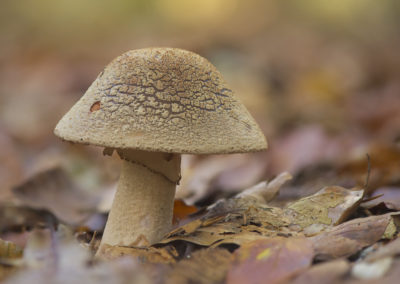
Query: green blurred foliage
[
  {"x": 367, "y": 19},
  {"x": 74, "y": 22},
  {"x": 64, "y": 25}
]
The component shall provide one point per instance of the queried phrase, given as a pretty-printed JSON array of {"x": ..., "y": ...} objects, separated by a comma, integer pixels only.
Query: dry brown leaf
[
  {"x": 237, "y": 220},
  {"x": 327, "y": 273},
  {"x": 195, "y": 233},
  {"x": 231, "y": 233},
  {"x": 56, "y": 257},
  {"x": 228, "y": 173},
  {"x": 10, "y": 255},
  {"x": 350, "y": 237},
  {"x": 390, "y": 249},
  {"x": 252, "y": 233},
  {"x": 387, "y": 196},
  {"x": 144, "y": 254},
  {"x": 270, "y": 261},
  {"x": 240, "y": 171},
  {"x": 316, "y": 147},
  {"x": 20, "y": 217},
  {"x": 234, "y": 228},
  {"x": 266, "y": 191},
  {"x": 228, "y": 217},
  {"x": 193, "y": 226},
  {"x": 54, "y": 190},
  {"x": 329, "y": 206},
  {"x": 392, "y": 228},
  {"x": 385, "y": 166},
  {"x": 9, "y": 250},
  {"x": 6, "y": 271},
  {"x": 203, "y": 266},
  {"x": 253, "y": 197},
  {"x": 10, "y": 165},
  {"x": 40, "y": 250},
  {"x": 182, "y": 211}
]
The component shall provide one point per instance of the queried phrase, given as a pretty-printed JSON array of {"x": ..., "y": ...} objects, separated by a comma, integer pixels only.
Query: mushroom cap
[{"x": 162, "y": 100}]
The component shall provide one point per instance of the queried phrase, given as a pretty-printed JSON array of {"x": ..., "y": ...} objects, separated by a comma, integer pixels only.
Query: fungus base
[{"x": 142, "y": 209}]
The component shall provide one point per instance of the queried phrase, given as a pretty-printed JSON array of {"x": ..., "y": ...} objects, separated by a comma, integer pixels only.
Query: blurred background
[{"x": 322, "y": 79}]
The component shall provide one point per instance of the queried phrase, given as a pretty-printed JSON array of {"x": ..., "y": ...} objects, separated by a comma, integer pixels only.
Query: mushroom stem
[{"x": 143, "y": 204}]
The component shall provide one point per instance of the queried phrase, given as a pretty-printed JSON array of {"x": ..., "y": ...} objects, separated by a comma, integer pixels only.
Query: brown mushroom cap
[{"x": 162, "y": 100}]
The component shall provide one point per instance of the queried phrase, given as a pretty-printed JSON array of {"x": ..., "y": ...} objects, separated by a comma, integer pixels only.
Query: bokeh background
[{"x": 322, "y": 78}]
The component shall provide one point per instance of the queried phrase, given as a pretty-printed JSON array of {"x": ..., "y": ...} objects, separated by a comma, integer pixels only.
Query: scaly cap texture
[{"x": 162, "y": 100}]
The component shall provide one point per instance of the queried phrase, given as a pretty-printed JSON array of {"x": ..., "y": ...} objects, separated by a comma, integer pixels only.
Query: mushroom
[{"x": 150, "y": 106}]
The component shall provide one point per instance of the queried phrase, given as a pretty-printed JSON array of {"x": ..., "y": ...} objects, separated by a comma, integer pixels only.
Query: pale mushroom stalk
[{"x": 142, "y": 209}]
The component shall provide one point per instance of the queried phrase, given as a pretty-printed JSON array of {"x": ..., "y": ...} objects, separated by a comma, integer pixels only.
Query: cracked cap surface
[{"x": 162, "y": 100}]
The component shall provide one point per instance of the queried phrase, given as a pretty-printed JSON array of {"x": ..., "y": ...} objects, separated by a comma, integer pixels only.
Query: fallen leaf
[
  {"x": 56, "y": 257},
  {"x": 144, "y": 254},
  {"x": 250, "y": 234},
  {"x": 193, "y": 226},
  {"x": 240, "y": 171},
  {"x": 388, "y": 196},
  {"x": 240, "y": 226},
  {"x": 54, "y": 190},
  {"x": 206, "y": 178},
  {"x": 390, "y": 249},
  {"x": 18, "y": 218},
  {"x": 379, "y": 114},
  {"x": 10, "y": 165},
  {"x": 350, "y": 237},
  {"x": 255, "y": 196},
  {"x": 237, "y": 220},
  {"x": 9, "y": 250},
  {"x": 316, "y": 146},
  {"x": 385, "y": 166},
  {"x": 329, "y": 206},
  {"x": 266, "y": 191},
  {"x": 270, "y": 261},
  {"x": 182, "y": 211},
  {"x": 6, "y": 272},
  {"x": 40, "y": 251},
  {"x": 10, "y": 259},
  {"x": 327, "y": 273},
  {"x": 203, "y": 266}
]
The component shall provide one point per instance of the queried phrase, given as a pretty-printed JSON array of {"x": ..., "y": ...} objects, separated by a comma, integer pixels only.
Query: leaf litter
[{"x": 224, "y": 242}]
